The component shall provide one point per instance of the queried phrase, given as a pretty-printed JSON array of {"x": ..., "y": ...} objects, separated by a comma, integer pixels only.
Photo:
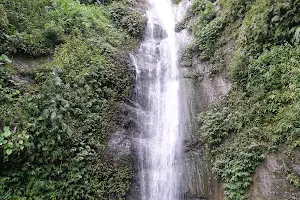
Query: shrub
[
  {"x": 55, "y": 146},
  {"x": 258, "y": 117},
  {"x": 127, "y": 18}
]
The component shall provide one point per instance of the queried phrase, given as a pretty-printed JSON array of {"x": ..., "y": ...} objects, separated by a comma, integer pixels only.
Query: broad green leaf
[
  {"x": 7, "y": 132},
  {"x": 10, "y": 144},
  {"x": 4, "y": 58},
  {"x": 6, "y": 128},
  {"x": 8, "y": 151}
]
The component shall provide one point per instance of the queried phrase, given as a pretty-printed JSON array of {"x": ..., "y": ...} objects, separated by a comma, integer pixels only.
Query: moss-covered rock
[
  {"x": 57, "y": 126},
  {"x": 257, "y": 46}
]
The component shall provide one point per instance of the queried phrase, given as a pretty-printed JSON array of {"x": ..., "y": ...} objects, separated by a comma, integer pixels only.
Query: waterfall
[{"x": 157, "y": 85}]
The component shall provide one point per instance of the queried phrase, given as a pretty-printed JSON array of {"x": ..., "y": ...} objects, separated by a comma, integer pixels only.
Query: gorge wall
[{"x": 243, "y": 141}]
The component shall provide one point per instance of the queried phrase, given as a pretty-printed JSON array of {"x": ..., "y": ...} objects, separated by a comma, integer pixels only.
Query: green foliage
[
  {"x": 290, "y": 173},
  {"x": 236, "y": 164},
  {"x": 211, "y": 24},
  {"x": 37, "y": 27},
  {"x": 3, "y": 21},
  {"x": 233, "y": 10},
  {"x": 198, "y": 6},
  {"x": 127, "y": 18},
  {"x": 186, "y": 57},
  {"x": 258, "y": 117},
  {"x": 105, "y": 2},
  {"x": 261, "y": 113},
  {"x": 207, "y": 36},
  {"x": 12, "y": 143},
  {"x": 208, "y": 14},
  {"x": 266, "y": 25},
  {"x": 4, "y": 59},
  {"x": 206, "y": 30},
  {"x": 55, "y": 132},
  {"x": 294, "y": 179},
  {"x": 214, "y": 127}
]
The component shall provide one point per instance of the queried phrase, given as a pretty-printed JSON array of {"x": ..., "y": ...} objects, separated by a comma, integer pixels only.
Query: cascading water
[{"x": 160, "y": 144}]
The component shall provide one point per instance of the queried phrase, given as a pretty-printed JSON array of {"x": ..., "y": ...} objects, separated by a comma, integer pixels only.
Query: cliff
[{"x": 243, "y": 63}]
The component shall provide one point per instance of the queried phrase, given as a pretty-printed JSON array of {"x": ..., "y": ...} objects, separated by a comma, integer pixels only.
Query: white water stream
[{"x": 158, "y": 83}]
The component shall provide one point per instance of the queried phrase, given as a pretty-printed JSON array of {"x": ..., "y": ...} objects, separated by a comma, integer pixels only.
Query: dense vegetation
[
  {"x": 257, "y": 44},
  {"x": 55, "y": 127}
]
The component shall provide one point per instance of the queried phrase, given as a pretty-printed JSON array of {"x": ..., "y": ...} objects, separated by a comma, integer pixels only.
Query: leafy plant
[
  {"x": 56, "y": 146},
  {"x": 4, "y": 59},
  {"x": 11, "y": 143},
  {"x": 261, "y": 112}
]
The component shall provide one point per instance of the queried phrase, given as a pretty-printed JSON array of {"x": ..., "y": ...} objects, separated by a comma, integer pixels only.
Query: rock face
[
  {"x": 24, "y": 65},
  {"x": 119, "y": 145},
  {"x": 270, "y": 180},
  {"x": 197, "y": 93},
  {"x": 198, "y": 89},
  {"x": 158, "y": 32},
  {"x": 202, "y": 85}
]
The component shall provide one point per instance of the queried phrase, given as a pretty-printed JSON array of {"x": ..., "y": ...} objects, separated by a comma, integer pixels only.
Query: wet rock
[
  {"x": 119, "y": 145},
  {"x": 297, "y": 169},
  {"x": 180, "y": 26},
  {"x": 270, "y": 181},
  {"x": 197, "y": 94},
  {"x": 184, "y": 24},
  {"x": 158, "y": 32},
  {"x": 186, "y": 64},
  {"x": 25, "y": 66}
]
